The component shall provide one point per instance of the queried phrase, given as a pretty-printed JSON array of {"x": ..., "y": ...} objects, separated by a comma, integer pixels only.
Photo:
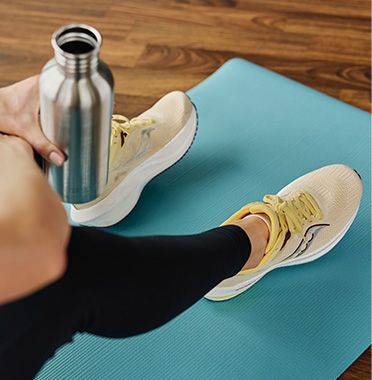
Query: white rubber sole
[{"x": 121, "y": 201}]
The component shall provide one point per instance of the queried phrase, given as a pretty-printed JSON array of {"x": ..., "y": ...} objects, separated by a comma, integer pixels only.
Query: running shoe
[
  {"x": 141, "y": 148},
  {"x": 308, "y": 218}
]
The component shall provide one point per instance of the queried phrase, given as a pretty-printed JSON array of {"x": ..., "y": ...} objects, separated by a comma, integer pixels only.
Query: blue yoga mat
[{"x": 258, "y": 131}]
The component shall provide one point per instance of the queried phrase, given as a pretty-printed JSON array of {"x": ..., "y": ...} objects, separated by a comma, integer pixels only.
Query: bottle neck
[
  {"x": 76, "y": 49},
  {"x": 77, "y": 66}
]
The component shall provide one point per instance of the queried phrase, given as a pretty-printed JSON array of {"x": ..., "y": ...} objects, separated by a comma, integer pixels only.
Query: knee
[
  {"x": 45, "y": 266},
  {"x": 55, "y": 266},
  {"x": 49, "y": 249},
  {"x": 26, "y": 271}
]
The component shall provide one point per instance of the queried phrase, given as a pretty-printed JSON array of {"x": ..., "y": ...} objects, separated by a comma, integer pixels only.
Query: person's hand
[{"x": 19, "y": 116}]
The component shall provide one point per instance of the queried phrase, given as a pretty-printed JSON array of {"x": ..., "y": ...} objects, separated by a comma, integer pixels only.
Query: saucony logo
[
  {"x": 145, "y": 142},
  {"x": 308, "y": 239},
  {"x": 142, "y": 148}
]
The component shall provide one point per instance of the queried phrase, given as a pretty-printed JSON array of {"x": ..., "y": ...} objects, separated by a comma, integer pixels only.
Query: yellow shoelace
[
  {"x": 285, "y": 216},
  {"x": 121, "y": 127},
  {"x": 294, "y": 212}
]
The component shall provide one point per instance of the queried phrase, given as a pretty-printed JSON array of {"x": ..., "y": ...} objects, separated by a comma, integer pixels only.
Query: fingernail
[{"x": 56, "y": 158}]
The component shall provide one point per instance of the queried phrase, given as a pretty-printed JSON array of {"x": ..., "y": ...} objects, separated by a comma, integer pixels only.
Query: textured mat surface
[{"x": 257, "y": 132}]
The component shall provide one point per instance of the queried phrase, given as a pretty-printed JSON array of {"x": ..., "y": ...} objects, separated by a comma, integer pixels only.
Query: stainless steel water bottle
[{"x": 76, "y": 100}]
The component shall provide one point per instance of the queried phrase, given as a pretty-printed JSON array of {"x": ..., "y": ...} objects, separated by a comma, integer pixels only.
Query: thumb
[{"x": 44, "y": 147}]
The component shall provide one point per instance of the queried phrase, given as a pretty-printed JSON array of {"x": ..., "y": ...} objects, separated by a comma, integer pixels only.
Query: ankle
[{"x": 258, "y": 233}]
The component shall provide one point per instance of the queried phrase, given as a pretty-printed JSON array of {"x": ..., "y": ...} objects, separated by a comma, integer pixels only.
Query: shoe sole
[
  {"x": 231, "y": 292},
  {"x": 121, "y": 201}
]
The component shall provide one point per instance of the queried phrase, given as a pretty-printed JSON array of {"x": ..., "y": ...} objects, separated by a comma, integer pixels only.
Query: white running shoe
[
  {"x": 308, "y": 218},
  {"x": 141, "y": 149}
]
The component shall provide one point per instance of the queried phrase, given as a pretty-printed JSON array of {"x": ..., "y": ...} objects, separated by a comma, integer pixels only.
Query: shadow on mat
[{"x": 168, "y": 189}]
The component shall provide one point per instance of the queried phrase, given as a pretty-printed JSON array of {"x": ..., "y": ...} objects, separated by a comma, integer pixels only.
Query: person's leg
[
  {"x": 34, "y": 230},
  {"x": 112, "y": 286},
  {"x": 138, "y": 284},
  {"x": 116, "y": 287}
]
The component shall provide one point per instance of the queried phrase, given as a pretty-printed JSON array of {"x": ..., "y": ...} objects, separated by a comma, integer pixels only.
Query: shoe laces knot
[
  {"x": 121, "y": 127},
  {"x": 294, "y": 212}
]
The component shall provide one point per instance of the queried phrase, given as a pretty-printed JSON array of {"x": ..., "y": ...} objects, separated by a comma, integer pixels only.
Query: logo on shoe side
[
  {"x": 145, "y": 143},
  {"x": 308, "y": 239},
  {"x": 142, "y": 148}
]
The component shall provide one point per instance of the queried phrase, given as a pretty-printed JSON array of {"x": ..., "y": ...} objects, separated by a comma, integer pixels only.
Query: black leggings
[{"x": 116, "y": 287}]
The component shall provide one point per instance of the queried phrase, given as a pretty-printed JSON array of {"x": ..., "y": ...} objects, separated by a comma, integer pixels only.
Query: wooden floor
[{"x": 155, "y": 46}]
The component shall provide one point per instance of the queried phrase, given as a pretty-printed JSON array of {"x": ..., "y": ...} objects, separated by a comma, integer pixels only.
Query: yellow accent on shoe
[
  {"x": 121, "y": 127},
  {"x": 285, "y": 216}
]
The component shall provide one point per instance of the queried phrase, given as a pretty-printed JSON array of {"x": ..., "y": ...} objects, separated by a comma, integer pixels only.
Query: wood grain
[
  {"x": 361, "y": 369},
  {"x": 160, "y": 45},
  {"x": 155, "y": 46}
]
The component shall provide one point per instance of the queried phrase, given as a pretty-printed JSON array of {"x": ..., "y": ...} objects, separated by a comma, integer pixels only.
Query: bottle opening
[
  {"x": 77, "y": 47},
  {"x": 77, "y": 39}
]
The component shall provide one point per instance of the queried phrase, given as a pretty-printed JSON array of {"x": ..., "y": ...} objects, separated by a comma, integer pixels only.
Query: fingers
[
  {"x": 38, "y": 140},
  {"x": 22, "y": 118},
  {"x": 44, "y": 147}
]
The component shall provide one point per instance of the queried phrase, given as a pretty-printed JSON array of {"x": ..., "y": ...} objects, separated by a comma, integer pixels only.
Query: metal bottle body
[{"x": 76, "y": 100}]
